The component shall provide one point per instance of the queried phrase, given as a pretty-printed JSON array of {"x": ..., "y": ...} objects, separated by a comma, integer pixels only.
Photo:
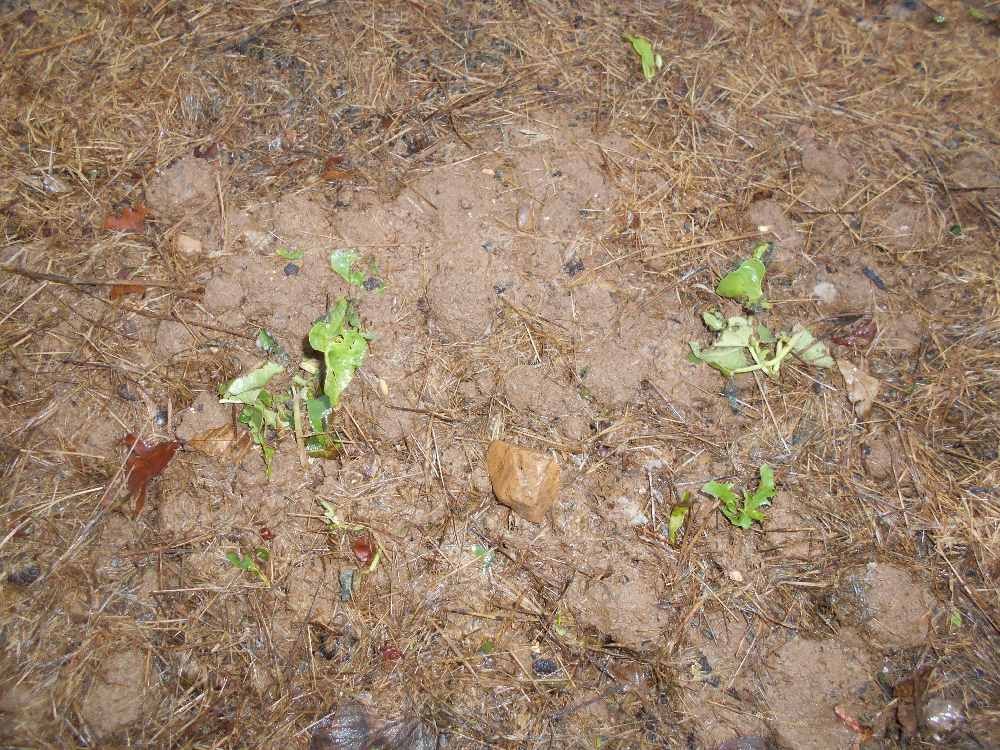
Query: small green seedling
[
  {"x": 333, "y": 523},
  {"x": 651, "y": 62},
  {"x": 288, "y": 254},
  {"x": 678, "y": 515},
  {"x": 485, "y": 555},
  {"x": 746, "y": 283},
  {"x": 744, "y": 515},
  {"x": 248, "y": 563}
]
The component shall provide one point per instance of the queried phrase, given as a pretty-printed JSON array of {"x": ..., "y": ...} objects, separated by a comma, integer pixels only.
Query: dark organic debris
[
  {"x": 25, "y": 575},
  {"x": 874, "y": 278},
  {"x": 352, "y": 727},
  {"x": 542, "y": 666},
  {"x": 861, "y": 333}
]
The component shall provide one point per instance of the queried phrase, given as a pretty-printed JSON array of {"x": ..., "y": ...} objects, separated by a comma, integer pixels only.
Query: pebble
[{"x": 291, "y": 270}]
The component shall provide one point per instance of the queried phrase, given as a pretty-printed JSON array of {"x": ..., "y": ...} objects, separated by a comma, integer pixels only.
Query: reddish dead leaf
[
  {"x": 120, "y": 290},
  {"x": 333, "y": 171},
  {"x": 860, "y": 333},
  {"x": 391, "y": 652},
  {"x": 362, "y": 549},
  {"x": 853, "y": 724},
  {"x": 206, "y": 152},
  {"x": 145, "y": 462},
  {"x": 266, "y": 534},
  {"x": 909, "y": 694},
  {"x": 129, "y": 220}
]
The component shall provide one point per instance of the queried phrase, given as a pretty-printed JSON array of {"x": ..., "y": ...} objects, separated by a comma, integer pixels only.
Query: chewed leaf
[
  {"x": 809, "y": 349},
  {"x": 342, "y": 262},
  {"x": 745, "y": 284},
  {"x": 344, "y": 346},
  {"x": 765, "y": 490},
  {"x": 651, "y": 61},
  {"x": 246, "y": 388},
  {"x": 725, "y": 359},
  {"x": 721, "y": 491}
]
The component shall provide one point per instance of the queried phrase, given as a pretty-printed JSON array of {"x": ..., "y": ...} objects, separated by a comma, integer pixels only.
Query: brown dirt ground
[{"x": 548, "y": 227}]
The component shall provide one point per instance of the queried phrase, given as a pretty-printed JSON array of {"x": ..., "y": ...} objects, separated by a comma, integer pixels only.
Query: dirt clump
[
  {"x": 119, "y": 694},
  {"x": 885, "y": 599}
]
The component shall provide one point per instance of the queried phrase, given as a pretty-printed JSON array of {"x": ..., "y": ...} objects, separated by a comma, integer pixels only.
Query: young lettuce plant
[
  {"x": 260, "y": 411},
  {"x": 743, "y": 515}
]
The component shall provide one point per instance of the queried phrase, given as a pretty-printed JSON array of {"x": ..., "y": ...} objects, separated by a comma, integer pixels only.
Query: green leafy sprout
[
  {"x": 746, "y": 283},
  {"x": 289, "y": 254},
  {"x": 249, "y": 564},
  {"x": 744, "y": 515},
  {"x": 678, "y": 515},
  {"x": 651, "y": 61}
]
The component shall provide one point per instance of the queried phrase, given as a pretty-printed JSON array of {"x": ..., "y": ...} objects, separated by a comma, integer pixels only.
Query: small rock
[
  {"x": 26, "y": 575},
  {"x": 291, "y": 270},
  {"x": 523, "y": 480},
  {"x": 188, "y": 246},
  {"x": 735, "y": 576},
  {"x": 825, "y": 292},
  {"x": 542, "y": 666},
  {"x": 524, "y": 217}
]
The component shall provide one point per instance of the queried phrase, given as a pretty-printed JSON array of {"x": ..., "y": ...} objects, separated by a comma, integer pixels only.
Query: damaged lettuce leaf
[
  {"x": 342, "y": 262},
  {"x": 339, "y": 338},
  {"x": 259, "y": 412},
  {"x": 740, "y": 347},
  {"x": 746, "y": 283}
]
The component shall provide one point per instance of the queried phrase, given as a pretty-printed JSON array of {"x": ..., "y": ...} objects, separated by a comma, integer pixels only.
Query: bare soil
[{"x": 542, "y": 229}]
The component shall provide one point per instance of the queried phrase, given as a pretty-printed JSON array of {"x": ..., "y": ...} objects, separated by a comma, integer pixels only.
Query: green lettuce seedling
[
  {"x": 342, "y": 262},
  {"x": 744, "y": 515},
  {"x": 651, "y": 62},
  {"x": 745, "y": 284}
]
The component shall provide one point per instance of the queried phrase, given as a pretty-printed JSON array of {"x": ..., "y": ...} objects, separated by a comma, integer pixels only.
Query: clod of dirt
[
  {"x": 172, "y": 338},
  {"x": 885, "y": 598},
  {"x": 462, "y": 294},
  {"x": 204, "y": 414},
  {"x": 862, "y": 388},
  {"x": 186, "y": 186},
  {"x": 533, "y": 390},
  {"x": 222, "y": 293},
  {"x": 808, "y": 680},
  {"x": 752, "y": 742},
  {"x": 974, "y": 169},
  {"x": 878, "y": 453},
  {"x": 117, "y": 695},
  {"x": 624, "y": 608},
  {"x": 525, "y": 481},
  {"x": 767, "y": 213},
  {"x": 188, "y": 246}
]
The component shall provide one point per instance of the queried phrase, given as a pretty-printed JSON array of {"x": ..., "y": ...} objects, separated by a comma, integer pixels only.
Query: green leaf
[
  {"x": 745, "y": 284},
  {"x": 262, "y": 554},
  {"x": 714, "y": 320},
  {"x": 344, "y": 346},
  {"x": 342, "y": 261},
  {"x": 678, "y": 515},
  {"x": 247, "y": 388},
  {"x": 319, "y": 409},
  {"x": 651, "y": 62},
  {"x": 288, "y": 254},
  {"x": 955, "y": 230},
  {"x": 744, "y": 515},
  {"x": 234, "y": 559},
  {"x": 809, "y": 349},
  {"x": 269, "y": 345},
  {"x": 725, "y": 359},
  {"x": 486, "y": 647}
]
